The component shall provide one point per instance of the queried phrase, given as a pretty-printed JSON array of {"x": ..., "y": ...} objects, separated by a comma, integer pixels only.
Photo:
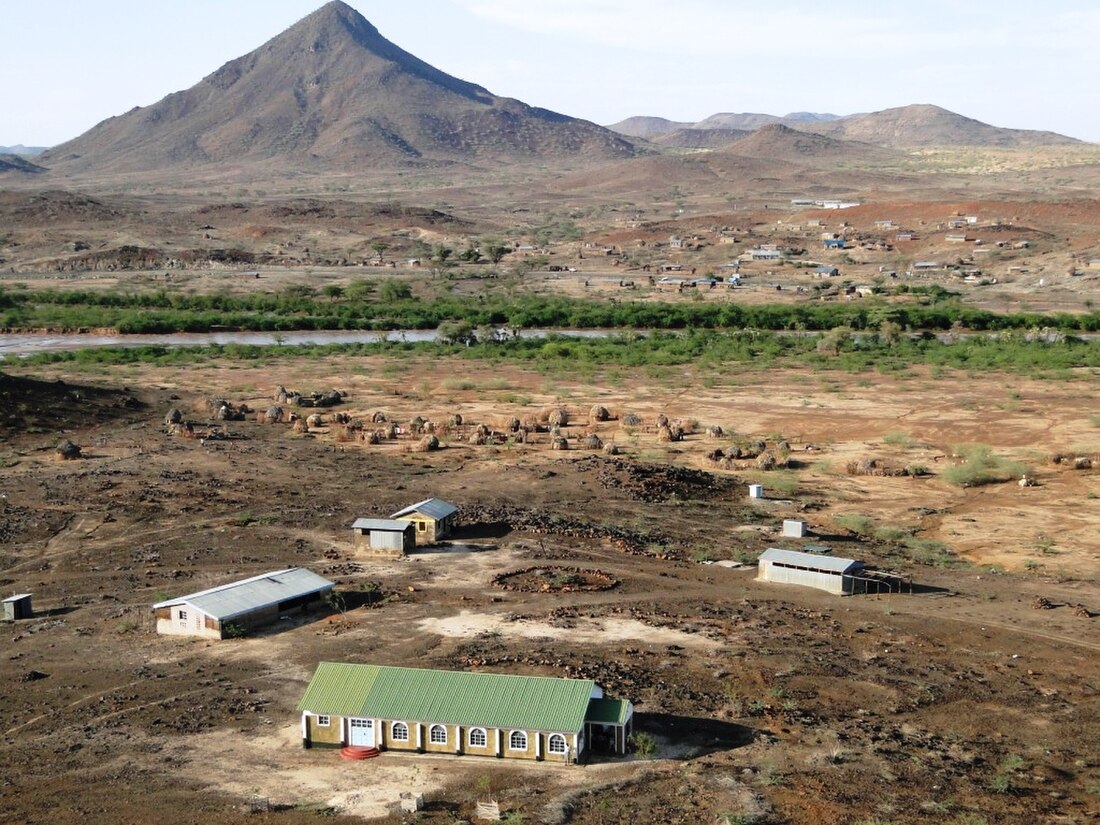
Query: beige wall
[
  {"x": 169, "y": 623},
  {"x": 333, "y": 736}
]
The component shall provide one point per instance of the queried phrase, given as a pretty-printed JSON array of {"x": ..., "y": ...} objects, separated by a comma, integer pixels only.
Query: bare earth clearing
[{"x": 960, "y": 699}]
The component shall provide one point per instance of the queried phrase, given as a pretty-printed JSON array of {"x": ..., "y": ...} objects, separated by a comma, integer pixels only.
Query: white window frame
[
  {"x": 182, "y": 614},
  {"x": 484, "y": 736},
  {"x": 431, "y": 735},
  {"x": 512, "y": 737},
  {"x": 557, "y": 737},
  {"x": 393, "y": 732},
  {"x": 323, "y": 720}
]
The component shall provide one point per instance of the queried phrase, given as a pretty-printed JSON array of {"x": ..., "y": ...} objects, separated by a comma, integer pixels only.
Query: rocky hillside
[{"x": 330, "y": 92}]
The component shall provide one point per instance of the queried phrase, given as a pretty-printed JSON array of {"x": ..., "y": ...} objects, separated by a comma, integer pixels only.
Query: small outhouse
[
  {"x": 384, "y": 537},
  {"x": 18, "y": 607},
  {"x": 793, "y": 529},
  {"x": 756, "y": 491}
]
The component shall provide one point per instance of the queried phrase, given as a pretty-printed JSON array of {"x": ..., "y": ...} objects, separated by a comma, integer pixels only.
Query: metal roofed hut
[
  {"x": 241, "y": 605},
  {"x": 459, "y": 713},
  {"x": 843, "y": 577},
  {"x": 384, "y": 537},
  {"x": 434, "y": 519}
]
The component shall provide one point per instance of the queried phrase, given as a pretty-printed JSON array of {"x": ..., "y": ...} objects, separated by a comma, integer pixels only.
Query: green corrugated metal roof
[
  {"x": 449, "y": 697},
  {"x": 608, "y": 711}
]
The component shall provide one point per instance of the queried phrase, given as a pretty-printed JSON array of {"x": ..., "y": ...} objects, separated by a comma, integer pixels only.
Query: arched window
[
  {"x": 517, "y": 741},
  {"x": 556, "y": 744},
  {"x": 438, "y": 735},
  {"x": 399, "y": 732},
  {"x": 478, "y": 739}
]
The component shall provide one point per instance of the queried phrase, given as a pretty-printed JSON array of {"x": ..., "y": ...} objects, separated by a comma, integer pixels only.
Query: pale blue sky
[{"x": 67, "y": 64}]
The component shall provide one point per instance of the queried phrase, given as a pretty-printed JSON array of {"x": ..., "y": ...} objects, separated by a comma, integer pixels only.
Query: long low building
[
  {"x": 384, "y": 537},
  {"x": 455, "y": 712},
  {"x": 241, "y": 605},
  {"x": 835, "y": 575}
]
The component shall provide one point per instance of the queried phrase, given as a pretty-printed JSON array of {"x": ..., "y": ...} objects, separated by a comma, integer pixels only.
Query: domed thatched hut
[
  {"x": 315, "y": 420},
  {"x": 559, "y": 443},
  {"x": 273, "y": 415},
  {"x": 599, "y": 413},
  {"x": 662, "y": 420},
  {"x": 558, "y": 417},
  {"x": 714, "y": 431},
  {"x": 300, "y": 426},
  {"x": 427, "y": 444},
  {"x": 593, "y": 442},
  {"x": 373, "y": 437},
  {"x": 611, "y": 449},
  {"x": 175, "y": 416},
  {"x": 766, "y": 461},
  {"x": 67, "y": 451},
  {"x": 379, "y": 418},
  {"x": 456, "y": 420},
  {"x": 631, "y": 420}
]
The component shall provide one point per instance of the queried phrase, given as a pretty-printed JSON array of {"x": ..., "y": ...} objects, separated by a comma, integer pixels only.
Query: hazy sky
[{"x": 67, "y": 64}]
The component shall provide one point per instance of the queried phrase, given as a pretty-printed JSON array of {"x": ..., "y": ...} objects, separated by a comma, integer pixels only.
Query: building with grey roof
[
  {"x": 834, "y": 575},
  {"x": 434, "y": 519},
  {"x": 241, "y": 605},
  {"x": 384, "y": 536}
]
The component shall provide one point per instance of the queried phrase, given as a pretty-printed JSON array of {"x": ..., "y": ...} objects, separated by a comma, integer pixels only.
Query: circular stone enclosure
[{"x": 547, "y": 579}]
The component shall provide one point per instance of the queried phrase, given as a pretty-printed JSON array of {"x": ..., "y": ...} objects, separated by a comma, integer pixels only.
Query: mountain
[
  {"x": 16, "y": 163},
  {"x": 20, "y": 149},
  {"x": 927, "y": 125},
  {"x": 905, "y": 127},
  {"x": 699, "y": 138},
  {"x": 647, "y": 127},
  {"x": 782, "y": 143},
  {"x": 330, "y": 92}
]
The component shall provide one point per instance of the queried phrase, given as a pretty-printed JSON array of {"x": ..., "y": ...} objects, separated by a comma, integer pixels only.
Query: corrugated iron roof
[
  {"x": 237, "y": 598},
  {"x": 435, "y": 508},
  {"x": 387, "y": 524},
  {"x": 609, "y": 711},
  {"x": 827, "y": 564},
  {"x": 449, "y": 697}
]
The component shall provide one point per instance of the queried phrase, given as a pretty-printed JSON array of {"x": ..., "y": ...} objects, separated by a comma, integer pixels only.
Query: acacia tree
[{"x": 379, "y": 246}]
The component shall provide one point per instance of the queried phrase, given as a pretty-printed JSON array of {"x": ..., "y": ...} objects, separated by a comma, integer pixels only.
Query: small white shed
[
  {"x": 793, "y": 529},
  {"x": 756, "y": 491},
  {"x": 18, "y": 607},
  {"x": 834, "y": 575}
]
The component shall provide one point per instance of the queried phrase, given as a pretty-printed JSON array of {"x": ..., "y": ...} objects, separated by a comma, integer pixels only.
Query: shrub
[{"x": 980, "y": 466}]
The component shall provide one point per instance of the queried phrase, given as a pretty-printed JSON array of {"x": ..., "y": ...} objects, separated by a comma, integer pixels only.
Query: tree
[
  {"x": 393, "y": 290},
  {"x": 379, "y": 246},
  {"x": 456, "y": 332},
  {"x": 495, "y": 250},
  {"x": 830, "y": 342},
  {"x": 441, "y": 253},
  {"x": 333, "y": 291}
]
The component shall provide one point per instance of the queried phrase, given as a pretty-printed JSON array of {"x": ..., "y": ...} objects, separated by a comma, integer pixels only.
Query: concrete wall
[
  {"x": 193, "y": 623},
  {"x": 458, "y": 740},
  {"x": 829, "y": 582}
]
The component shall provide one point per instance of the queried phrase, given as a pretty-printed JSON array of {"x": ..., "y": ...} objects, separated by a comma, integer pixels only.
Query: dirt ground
[{"x": 973, "y": 699}]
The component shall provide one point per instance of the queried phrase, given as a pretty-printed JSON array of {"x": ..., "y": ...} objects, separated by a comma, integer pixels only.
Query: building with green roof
[{"x": 457, "y": 712}]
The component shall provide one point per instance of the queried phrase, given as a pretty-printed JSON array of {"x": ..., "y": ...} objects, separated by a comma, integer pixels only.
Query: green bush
[{"x": 980, "y": 466}]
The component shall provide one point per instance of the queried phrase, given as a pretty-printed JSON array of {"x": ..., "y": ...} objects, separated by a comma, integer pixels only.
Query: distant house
[
  {"x": 461, "y": 713},
  {"x": 243, "y": 604},
  {"x": 825, "y": 271},
  {"x": 434, "y": 519},
  {"x": 904, "y": 236},
  {"x": 971, "y": 219},
  {"x": 384, "y": 537},
  {"x": 1094, "y": 263},
  {"x": 675, "y": 242},
  {"x": 765, "y": 255},
  {"x": 956, "y": 237},
  {"x": 956, "y": 223},
  {"x": 926, "y": 265},
  {"x": 884, "y": 224},
  {"x": 833, "y": 243}
]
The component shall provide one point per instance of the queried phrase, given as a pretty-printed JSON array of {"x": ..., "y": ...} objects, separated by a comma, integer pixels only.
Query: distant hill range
[
  {"x": 915, "y": 126},
  {"x": 331, "y": 92},
  {"x": 18, "y": 164},
  {"x": 23, "y": 151}
]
